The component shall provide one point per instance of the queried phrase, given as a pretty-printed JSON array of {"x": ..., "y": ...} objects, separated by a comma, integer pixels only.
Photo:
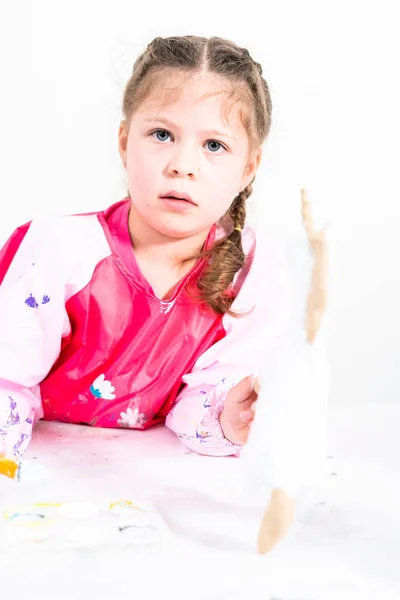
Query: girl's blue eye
[
  {"x": 164, "y": 137},
  {"x": 215, "y": 142},
  {"x": 162, "y": 131}
]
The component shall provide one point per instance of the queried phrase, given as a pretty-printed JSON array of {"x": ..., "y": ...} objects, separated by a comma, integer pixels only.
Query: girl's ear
[
  {"x": 251, "y": 167},
  {"x": 122, "y": 140}
]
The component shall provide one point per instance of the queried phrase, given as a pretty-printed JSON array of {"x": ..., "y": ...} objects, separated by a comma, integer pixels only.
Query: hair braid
[{"x": 226, "y": 258}]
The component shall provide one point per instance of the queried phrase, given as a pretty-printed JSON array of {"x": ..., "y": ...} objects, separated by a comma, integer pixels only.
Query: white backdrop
[{"x": 333, "y": 74}]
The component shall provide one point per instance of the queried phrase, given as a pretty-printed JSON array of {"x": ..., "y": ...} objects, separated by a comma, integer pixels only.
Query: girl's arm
[
  {"x": 195, "y": 417},
  {"x": 33, "y": 320}
]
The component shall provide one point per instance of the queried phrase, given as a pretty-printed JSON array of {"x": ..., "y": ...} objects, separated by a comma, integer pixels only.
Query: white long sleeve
[
  {"x": 33, "y": 320},
  {"x": 248, "y": 343}
]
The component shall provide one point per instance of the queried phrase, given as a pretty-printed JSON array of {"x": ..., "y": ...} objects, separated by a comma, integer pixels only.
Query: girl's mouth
[
  {"x": 177, "y": 203},
  {"x": 177, "y": 196}
]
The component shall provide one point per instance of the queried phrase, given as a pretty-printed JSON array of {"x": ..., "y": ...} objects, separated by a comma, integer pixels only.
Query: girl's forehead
[{"x": 204, "y": 94}]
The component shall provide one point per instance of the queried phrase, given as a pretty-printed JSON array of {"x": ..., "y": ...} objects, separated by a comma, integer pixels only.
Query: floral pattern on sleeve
[{"x": 15, "y": 428}]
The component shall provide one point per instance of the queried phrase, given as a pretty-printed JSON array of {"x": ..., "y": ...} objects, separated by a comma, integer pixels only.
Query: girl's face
[{"x": 185, "y": 146}]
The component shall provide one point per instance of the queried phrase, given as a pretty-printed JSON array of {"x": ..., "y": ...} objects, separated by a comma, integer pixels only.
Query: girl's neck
[{"x": 159, "y": 248}]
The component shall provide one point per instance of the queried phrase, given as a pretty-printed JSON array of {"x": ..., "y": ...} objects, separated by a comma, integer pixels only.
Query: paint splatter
[
  {"x": 206, "y": 403},
  {"x": 13, "y": 418},
  {"x": 18, "y": 445},
  {"x": 31, "y": 302},
  {"x": 203, "y": 434}
]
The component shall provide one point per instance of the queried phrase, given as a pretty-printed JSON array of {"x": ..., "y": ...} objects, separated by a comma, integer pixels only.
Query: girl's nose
[{"x": 184, "y": 163}]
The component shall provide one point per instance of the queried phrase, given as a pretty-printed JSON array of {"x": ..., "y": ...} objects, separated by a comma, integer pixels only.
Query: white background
[{"x": 332, "y": 69}]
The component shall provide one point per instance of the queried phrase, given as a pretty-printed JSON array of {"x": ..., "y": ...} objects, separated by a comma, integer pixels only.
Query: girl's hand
[{"x": 238, "y": 412}]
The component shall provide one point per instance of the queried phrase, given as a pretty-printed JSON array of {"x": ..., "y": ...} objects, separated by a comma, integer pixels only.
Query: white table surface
[{"x": 344, "y": 545}]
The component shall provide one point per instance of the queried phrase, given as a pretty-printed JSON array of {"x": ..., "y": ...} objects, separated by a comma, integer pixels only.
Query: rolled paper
[
  {"x": 279, "y": 514},
  {"x": 276, "y": 521},
  {"x": 26, "y": 471}
]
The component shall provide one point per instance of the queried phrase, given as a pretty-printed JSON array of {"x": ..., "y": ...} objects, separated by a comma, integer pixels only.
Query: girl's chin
[
  {"x": 176, "y": 232},
  {"x": 182, "y": 232},
  {"x": 177, "y": 228}
]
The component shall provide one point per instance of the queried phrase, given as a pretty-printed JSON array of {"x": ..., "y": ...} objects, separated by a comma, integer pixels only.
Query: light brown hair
[{"x": 191, "y": 55}]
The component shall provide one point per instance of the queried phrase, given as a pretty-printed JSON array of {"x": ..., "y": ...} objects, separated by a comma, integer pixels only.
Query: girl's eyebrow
[{"x": 169, "y": 123}]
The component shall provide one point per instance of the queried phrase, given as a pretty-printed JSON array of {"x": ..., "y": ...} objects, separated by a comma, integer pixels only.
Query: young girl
[{"x": 164, "y": 306}]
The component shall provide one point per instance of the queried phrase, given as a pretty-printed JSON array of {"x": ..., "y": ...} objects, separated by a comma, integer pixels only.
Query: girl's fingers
[
  {"x": 248, "y": 401},
  {"x": 247, "y": 415}
]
